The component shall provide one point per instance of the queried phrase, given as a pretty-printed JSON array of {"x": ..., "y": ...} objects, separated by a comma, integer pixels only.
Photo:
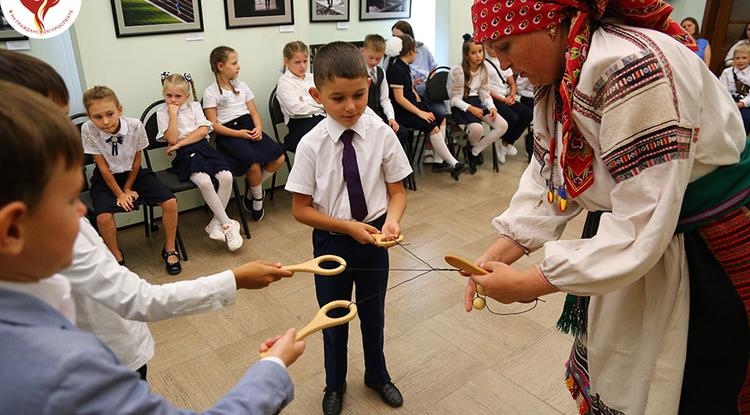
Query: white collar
[
  {"x": 335, "y": 129},
  {"x": 122, "y": 132}
]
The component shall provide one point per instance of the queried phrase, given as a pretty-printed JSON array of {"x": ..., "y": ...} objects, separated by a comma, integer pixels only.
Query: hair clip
[
  {"x": 187, "y": 76},
  {"x": 165, "y": 75}
]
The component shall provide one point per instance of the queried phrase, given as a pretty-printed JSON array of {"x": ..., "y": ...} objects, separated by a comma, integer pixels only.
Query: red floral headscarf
[{"x": 494, "y": 19}]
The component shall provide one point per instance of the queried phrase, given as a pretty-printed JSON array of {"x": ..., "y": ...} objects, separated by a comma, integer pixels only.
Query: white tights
[
  {"x": 216, "y": 200},
  {"x": 498, "y": 127},
  {"x": 442, "y": 153}
]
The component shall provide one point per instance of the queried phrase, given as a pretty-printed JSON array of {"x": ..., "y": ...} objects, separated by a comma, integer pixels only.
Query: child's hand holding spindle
[
  {"x": 361, "y": 232},
  {"x": 258, "y": 274},
  {"x": 391, "y": 231},
  {"x": 284, "y": 347}
]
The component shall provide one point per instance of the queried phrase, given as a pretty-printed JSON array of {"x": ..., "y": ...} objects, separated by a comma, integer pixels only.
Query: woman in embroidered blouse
[{"x": 659, "y": 324}]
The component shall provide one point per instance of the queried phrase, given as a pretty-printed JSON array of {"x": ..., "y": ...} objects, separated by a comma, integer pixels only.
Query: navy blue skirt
[
  {"x": 412, "y": 121},
  {"x": 464, "y": 117},
  {"x": 198, "y": 157},
  {"x": 150, "y": 191},
  {"x": 241, "y": 153}
]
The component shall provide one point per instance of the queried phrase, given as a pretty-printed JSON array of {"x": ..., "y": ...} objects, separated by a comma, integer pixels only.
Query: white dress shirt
[
  {"x": 497, "y": 81},
  {"x": 727, "y": 79},
  {"x": 294, "y": 97},
  {"x": 109, "y": 297},
  {"x": 317, "y": 169},
  {"x": 133, "y": 136},
  {"x": 478, "y": 86},
  {"x": 228, "y": 105},
  {"x": 189, "y": 118}
]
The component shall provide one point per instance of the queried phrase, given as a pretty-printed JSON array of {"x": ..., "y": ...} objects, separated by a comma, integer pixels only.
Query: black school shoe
[
  {"x": 440, "y": 167},
  {"x": 247, "y": 203},
  {"x": 172, "y": 269},
  {"x": 458, "y": 169},
  {"x": 471, "y": 159},
  {"x": 389, "y": 393},
  {"x": 333, "y": 401}
]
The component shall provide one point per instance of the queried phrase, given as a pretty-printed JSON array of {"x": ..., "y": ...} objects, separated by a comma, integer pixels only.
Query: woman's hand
[{"x": 507, "y": 285}]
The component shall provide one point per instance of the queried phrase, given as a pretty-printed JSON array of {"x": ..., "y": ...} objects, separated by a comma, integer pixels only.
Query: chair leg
[
  {"x": 146, "y": 220},
  {"x": 273, "y": 186},
  {"x": 495, "y": 162},
  {"x": 181, "y": 245},
  {"x": 238, "y": 200}
]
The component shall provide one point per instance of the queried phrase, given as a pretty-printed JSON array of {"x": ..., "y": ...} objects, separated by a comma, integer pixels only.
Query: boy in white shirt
[
  {"x": 347, "y": 184},
  {"x": 737, "y": 81}
]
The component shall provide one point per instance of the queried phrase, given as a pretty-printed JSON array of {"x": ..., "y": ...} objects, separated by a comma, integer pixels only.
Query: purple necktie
[{"x": 351, "y": 176}]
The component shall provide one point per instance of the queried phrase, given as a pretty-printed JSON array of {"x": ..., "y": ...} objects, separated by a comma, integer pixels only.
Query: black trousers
[{"x": 371, "y": 312}]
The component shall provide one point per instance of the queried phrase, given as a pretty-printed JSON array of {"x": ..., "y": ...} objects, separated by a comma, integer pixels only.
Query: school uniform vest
[{"x": 373, "y": 98}]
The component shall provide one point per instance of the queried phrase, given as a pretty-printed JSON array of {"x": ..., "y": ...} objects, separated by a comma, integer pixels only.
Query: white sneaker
[
  {"x": 511, "y": 149},
  {"x": 214, "y": 231},
  {"x": 232, "y": 235},
  {"x": 501, "y": 151}
]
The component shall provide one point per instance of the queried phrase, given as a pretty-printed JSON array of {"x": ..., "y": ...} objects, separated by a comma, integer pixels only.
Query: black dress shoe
[
  {"x": 470, "y": 159},
  {"x": 441, "y": 167},
  {"x": 172, "y": 269},
  {"x": 458, "y": 168},
  {"x": 389, "y": 393},
  {"x": 333, "y": 401},
  {"x": 479, "y": 159}
]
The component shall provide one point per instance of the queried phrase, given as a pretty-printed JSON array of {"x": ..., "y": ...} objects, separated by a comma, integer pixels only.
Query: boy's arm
[
  {"x": 106, "y": 173},
  {"x": 134, "y": 169},
  {"x": 304, "y": 212}
]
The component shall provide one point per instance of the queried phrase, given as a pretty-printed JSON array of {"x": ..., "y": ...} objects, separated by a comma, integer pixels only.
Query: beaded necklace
[{"x": 556, "y": 193}]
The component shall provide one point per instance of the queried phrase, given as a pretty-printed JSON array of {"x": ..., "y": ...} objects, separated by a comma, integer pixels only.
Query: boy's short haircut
[
  {"x": 33, "y": 74},
  {"x": 374, "y": 42},
  {"x": 35, "y": 135},
  {"x": 99, "y": 93},
  {"x": 742, "y": 48},
  {"x": 338, "y": 60}
]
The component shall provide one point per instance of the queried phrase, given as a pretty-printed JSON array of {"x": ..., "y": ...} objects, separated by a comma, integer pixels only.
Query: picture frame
[
  {"x": 7, "y": 32},
  {"x": 253, "y": 13},
  {"x": 384, "y": 9},
  {"x": 329, "y": 11},
  {"x": 143, "y": 18}
]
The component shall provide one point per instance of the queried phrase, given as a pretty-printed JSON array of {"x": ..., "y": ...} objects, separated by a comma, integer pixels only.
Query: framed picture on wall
[
  {"x": 155, "y": 17},
  {"x": 384, "y": 9},
  {"x": 7, "y": 32},
  {"x": 329, "y": 11},
  {"x": 249, "y": 13}
]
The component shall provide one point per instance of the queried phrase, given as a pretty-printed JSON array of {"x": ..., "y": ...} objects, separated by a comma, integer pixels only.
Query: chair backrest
[
  {"x": 277, "y": 117},
  {"x": 148, "y": 118},
  {"x": 436, "y": 88},
  {"x": 79, "y": 119}
]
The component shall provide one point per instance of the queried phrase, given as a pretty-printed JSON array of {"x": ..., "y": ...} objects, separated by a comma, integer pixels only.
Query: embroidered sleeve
[{"x": 647, "y": 151}]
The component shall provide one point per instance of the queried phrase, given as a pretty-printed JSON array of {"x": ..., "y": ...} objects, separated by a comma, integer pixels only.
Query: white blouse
[
  {"x": 189, "y": 118},
  {"x": 478, "y": 86},
  {"x": 294, "y": 97},
  {"x": 228, "y": 105}
]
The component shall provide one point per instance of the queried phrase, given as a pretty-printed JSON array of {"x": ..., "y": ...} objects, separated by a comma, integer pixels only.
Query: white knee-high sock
[
  {"x": 257, "y": 194},
  {"x": 203, "y": 181},
  {"x": 265, "y": 175},
  {"x": 440, "y": 148},
  {"x": 225, "y": 186},
  {"x": 498, "y": 127}
]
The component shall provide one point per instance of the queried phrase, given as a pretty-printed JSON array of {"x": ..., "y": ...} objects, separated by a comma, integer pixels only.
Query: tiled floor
[{"x": 444, "y": 360}]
